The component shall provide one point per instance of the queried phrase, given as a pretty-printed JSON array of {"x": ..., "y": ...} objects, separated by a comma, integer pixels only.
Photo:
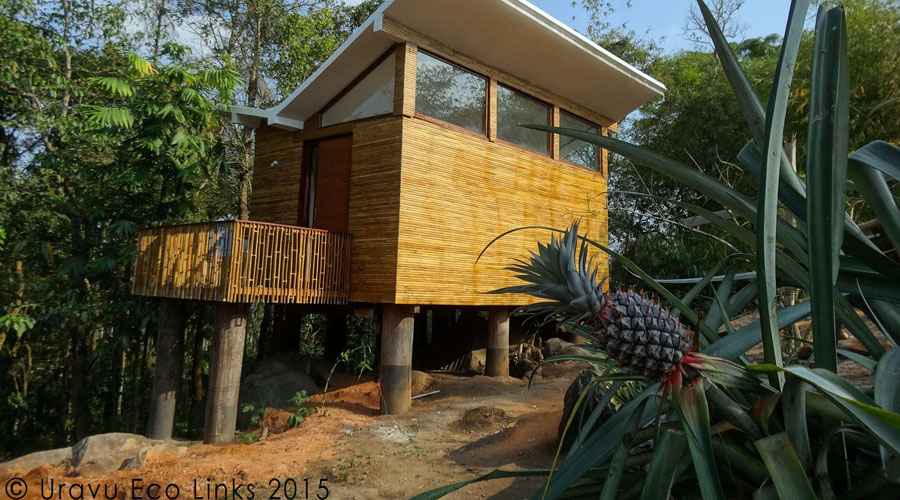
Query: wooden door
[{"x": 328, "y": 184}]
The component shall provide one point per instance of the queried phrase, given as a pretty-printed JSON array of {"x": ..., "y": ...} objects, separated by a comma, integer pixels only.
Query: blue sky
[{"x": 665, "y": 19}]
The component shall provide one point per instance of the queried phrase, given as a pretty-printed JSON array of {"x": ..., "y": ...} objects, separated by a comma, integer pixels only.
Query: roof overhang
[{"x": 512, "y": 36}]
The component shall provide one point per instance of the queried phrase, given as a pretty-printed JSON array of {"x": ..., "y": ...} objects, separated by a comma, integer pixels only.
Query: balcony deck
[{"x": 243, "y": 262}]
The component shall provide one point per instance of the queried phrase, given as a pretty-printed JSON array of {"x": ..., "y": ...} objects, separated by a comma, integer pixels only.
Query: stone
[
  {"x": 272, "y": 383},
  {"x": 555, "y": 347},
  {"x": 60, "y": 457},
  {"x": 421, "y": 382},
  {"x": 100, "y": 453},
  {"x": 106, "y": 452}
]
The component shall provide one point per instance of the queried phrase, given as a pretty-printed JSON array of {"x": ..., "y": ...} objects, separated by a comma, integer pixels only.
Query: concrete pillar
[
  {"x": 397, "y": 325},
  {"x": 225, "y": 373},
  {"x": 169, "y": 358},
  {"x": 497, "y": 362}
]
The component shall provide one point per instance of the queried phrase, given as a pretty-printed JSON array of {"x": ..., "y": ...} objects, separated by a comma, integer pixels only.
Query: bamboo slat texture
[{"x": 243, "y": 262}]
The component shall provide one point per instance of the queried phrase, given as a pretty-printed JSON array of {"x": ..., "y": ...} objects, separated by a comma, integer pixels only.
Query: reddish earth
[{"x": 361, "y": 454}]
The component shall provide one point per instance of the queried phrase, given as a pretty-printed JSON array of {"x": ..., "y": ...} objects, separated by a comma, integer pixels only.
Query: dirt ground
[{"x": 363, "y": 455}]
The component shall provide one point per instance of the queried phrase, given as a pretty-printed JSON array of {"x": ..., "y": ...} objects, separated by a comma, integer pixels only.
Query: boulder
[
  {"x": 272, "y": 383},
  {"x": 116, "y": 450},
  {"x": 555, "y": 347},
  {"x": 97, "y": 454},
  {"x": 60, "y": 457},
  {"x": 421, "y": 382},
  {"x": 276, "y": 421}
]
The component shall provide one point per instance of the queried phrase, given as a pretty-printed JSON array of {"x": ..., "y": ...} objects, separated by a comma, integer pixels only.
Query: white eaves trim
[
  {"x": 568, "y": 33},
  {"x": 255, "y": 117}
]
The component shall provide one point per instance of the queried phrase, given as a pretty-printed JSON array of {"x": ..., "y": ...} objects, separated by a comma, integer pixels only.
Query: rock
[
  {"x": 555, "y": 347},
  {"x": 60, "y": 457},
  {"x": 98, "y": 454},
  {"x": 135, "y": 462},
  {"x": 276, "y": 421},
  {"x": 107, "y": 452},
  {"x": 483, "y": 419},
  {"x": 421, "y": 382},
  {"x": 272, "y": 383}
]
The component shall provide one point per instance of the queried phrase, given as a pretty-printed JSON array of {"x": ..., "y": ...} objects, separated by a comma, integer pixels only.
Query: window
[
  {"x": 450, "y": 93},
  {"x": 575, "y": 151},
  {"x": 373, "y": 95},
  {"x": 515, "y": 109}
]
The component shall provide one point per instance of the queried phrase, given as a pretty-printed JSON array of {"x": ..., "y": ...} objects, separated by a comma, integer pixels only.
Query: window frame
[
  {"x": 320, "y": 115},
  {"x": 486, "y": 116},
  {"x": 600, "y": 169},
  {"x": 550, "y": 107}
]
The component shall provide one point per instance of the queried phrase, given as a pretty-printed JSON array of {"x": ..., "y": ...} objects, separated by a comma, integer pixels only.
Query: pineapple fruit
[{"x": 642, "y": 336}]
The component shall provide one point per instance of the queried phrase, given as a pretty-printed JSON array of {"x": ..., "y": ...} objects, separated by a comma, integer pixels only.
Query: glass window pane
[
  {"x": 575, "y": 151},
  {"x": 514, "y": 109},
  {"x": 371, "y": 96},
  {"x": 450, "y": 93}
]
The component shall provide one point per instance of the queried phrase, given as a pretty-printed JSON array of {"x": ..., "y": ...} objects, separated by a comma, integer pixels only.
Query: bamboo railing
[{"x": 243, "y": 261}]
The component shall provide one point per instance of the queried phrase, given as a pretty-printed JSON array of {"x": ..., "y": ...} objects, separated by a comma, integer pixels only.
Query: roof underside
[{"x": 512, "y": 36}]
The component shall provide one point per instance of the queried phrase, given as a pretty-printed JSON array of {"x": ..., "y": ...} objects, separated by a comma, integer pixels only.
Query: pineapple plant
[{"x": 634, "y": 330}]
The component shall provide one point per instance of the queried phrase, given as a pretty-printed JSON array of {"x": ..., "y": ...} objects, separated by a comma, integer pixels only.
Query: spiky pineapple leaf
[
  {"x": 785, "y": 467},
  {"x": 664, "y": 467},
  {"x": 694, "y": 410},
  {"x": 827, "y": 175}
]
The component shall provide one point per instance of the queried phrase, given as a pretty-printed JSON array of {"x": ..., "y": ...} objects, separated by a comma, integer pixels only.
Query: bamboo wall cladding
[
  {"x": 460, "y": 191},
  {"x": 276, "y": 188},
  {"x": 243, "y": 262},
  {"x": 375, "y": 209}
]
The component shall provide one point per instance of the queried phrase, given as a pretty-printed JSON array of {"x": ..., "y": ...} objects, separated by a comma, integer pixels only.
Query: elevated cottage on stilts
[{"x": 381, "y": 178}]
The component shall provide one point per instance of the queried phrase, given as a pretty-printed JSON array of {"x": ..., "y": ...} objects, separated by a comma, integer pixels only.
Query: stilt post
[
  {"x": 169, "y": 358},
  {"x": 225, "y": 373},
  {"x": 397, "y": 327},
  {"x": 497, "y": 360}
]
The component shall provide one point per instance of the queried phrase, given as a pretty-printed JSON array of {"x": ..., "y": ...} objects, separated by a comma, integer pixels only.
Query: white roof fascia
[
  {"x": 574, "y": 37},
  {"x": 285, "y": 123},
  {"x": 374, "y": 19}
]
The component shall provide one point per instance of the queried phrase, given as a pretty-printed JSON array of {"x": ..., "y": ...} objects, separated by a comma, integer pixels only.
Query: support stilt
[
  {"x": 497, "y": 362},
  {"x": 169, "y": 357},
  {"x": 225, "y": 373},
  {"x": 396, "y": 359}
]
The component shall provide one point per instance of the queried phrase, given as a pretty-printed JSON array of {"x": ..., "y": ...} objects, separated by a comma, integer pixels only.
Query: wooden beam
[
  {"x": 169, "y": 356},
  {"x": 497, "y": 359},
  {"x": 396, "y": 358},
  {"x": 405, "y": 81},
  {"x": 225, "y": 373}
]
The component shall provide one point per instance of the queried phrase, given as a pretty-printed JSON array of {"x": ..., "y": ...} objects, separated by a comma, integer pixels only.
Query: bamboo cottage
[{"x": 379, "y": 180}]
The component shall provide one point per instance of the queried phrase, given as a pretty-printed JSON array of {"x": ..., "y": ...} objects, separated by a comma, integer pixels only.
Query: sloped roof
[{"x": 513, "y": 36}]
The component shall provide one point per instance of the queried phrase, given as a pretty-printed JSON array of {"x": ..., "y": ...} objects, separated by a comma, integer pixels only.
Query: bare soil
[{"x": 474, "y": 425}]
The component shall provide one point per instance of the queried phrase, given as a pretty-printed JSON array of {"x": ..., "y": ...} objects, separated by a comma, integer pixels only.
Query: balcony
[{"x": 243, "y": 262}]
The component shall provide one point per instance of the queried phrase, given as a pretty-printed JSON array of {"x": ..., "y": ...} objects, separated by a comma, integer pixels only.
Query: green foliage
[
  {"x": 312, "y": 335},
  {"x": 362, "y": 333},
  {"x": 302, "y": 409},
  {"x": 256, "y": 413}
]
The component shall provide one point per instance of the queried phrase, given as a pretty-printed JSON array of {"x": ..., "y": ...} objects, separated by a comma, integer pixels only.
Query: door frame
[{"x": 308, "y": 171}]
